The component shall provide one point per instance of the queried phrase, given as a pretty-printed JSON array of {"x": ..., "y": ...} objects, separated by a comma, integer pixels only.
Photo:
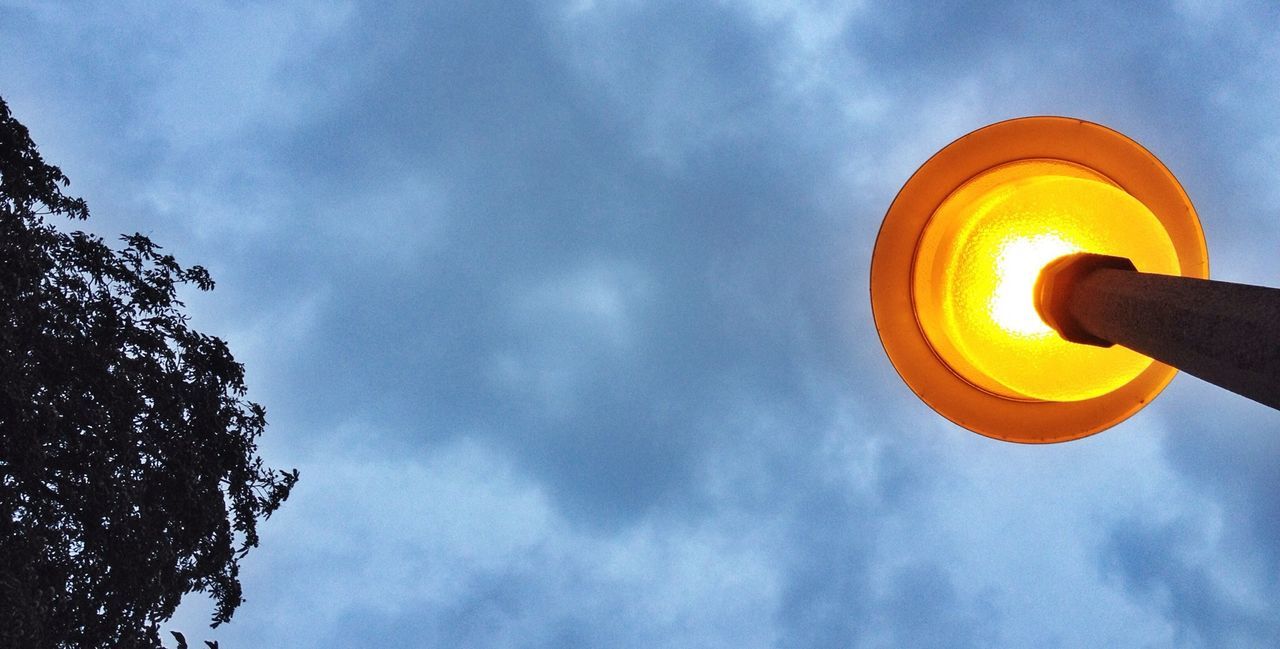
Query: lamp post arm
[{"x": 1227, "y": 334}]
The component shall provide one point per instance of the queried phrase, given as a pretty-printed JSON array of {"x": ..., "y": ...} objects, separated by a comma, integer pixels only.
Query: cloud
[
  {"x": 568, "y": 261},
  {"x": 1217, "y": 587},
  {"x": 466, "y": 547},
  {"x": 923, "y": 609},
  {"x": 1160, "y": 565}
]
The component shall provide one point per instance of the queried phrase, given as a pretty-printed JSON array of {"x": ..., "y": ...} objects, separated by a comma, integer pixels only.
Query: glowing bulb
[
  {"x": 1018, "y": 263},
  {"x": 978, "y": 259}
]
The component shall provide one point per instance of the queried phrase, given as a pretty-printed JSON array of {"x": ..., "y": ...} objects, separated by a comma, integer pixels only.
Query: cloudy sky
[{"x": 561, "y": 310}]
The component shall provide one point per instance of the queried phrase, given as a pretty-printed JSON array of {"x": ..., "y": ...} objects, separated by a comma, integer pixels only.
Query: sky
[{"x": 561, "y": 309}]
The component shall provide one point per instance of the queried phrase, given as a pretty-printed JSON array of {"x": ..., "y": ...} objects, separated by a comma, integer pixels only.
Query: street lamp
[{"x": 1016, "y": 257}]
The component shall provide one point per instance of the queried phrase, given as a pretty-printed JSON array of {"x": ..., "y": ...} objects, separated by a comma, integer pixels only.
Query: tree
[{"x": 129, "y": 473}]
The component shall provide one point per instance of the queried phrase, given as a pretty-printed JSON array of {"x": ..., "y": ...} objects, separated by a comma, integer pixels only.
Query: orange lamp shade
[{"x": 955, "y": 265}]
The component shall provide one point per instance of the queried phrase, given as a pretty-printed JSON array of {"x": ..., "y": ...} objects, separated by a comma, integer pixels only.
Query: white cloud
[
  {"x": 230, "y": 67},
  {"x": 379, "y": 541},
  {"x": 365, "y": 532},
  {"x": 574, "y": 327}
]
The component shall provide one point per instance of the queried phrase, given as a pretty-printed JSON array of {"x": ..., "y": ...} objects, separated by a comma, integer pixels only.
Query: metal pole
[{"x": 1227, "y": 334}]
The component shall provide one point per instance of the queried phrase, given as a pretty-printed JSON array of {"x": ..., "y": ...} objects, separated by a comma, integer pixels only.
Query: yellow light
[
  {"x": 978, "y": 259},
  {"x": 959, "y": 251},
  {"x": 1018, "y": 263}
]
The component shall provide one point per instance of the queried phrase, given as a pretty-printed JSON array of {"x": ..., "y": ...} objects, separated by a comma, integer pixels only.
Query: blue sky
[{"x": 561, "y": 309}]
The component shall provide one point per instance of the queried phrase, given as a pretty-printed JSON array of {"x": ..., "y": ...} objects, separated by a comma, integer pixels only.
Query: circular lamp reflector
[{"x": 959, "y": 252}]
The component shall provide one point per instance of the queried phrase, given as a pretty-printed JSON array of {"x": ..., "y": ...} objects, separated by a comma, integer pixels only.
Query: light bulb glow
[
  {"x": 978, "y": 260},
  {"x": 1018, "y": 263}
]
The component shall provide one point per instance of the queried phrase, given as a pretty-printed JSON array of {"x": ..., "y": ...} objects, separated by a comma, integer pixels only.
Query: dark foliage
[{"x": 129, "y": 473}]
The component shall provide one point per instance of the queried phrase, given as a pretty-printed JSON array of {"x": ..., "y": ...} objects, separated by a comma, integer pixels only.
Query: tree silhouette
[{"x": 129, "y": 473}]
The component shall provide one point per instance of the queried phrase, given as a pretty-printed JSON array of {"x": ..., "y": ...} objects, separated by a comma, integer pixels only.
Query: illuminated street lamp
[{"x": 1008, "y": 265}]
